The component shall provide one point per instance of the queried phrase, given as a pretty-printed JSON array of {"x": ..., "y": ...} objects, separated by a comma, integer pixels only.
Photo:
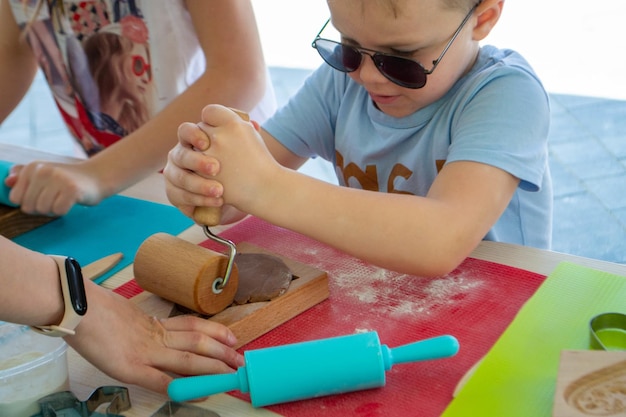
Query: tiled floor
[
  {"x": 587, "y": 148},
  {"x": 588, "y": 162}
]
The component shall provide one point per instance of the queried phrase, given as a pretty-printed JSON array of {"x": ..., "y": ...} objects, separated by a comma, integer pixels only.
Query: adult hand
[
  {"x": 51, "y": 188},
  {"x": 134, "y": 348}
]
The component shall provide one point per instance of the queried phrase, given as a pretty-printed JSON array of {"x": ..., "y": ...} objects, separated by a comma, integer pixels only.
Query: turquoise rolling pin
[
  {"x": 5, "y": 168},
  {"x": 312, "y": 369}
]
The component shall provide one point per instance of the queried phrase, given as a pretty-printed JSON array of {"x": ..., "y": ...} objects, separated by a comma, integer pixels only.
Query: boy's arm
[
  {"x": 426, "y": 236},
  {"x": 420, "y": 235},
  {"x": 19, "y": 65},
  {"x": 417, "y": 235}
]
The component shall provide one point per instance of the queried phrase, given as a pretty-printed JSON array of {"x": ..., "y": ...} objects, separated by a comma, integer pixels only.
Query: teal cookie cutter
[{"x": 608, "y": 332}]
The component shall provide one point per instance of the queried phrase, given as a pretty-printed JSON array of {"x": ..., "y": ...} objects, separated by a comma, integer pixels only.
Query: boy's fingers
[
  {"x": 217, "y": 115},
  {"x": 191, "y": 136}
]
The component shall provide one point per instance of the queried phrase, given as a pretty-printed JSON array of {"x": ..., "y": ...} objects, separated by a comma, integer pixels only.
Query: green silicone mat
[{"x": 518, "y": 375}]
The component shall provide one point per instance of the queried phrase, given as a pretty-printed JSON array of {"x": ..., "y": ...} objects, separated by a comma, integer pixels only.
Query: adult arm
[
  {"x": 234, "y": 76},
  {"x": 19, "y": 65}
]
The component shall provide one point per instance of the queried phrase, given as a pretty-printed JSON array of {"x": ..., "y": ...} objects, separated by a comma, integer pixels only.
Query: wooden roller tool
[
  {"x": 185, "y": 273},
  {"x": 197, "y": 278}
]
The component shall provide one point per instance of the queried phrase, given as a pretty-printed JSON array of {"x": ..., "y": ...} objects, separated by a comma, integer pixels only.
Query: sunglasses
[
  {"x": 401, "y": 71},
  {"x": 140, "y": 67}
]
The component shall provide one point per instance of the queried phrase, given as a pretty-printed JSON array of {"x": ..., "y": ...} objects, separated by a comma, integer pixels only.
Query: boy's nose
[{"x": 368, "y": 71}]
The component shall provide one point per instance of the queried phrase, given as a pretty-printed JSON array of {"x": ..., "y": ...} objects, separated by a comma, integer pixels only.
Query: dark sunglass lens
[
  {"x": 404, "y": 72},
  {"x": 351, "y": 58},
  {"x": 338, "y": 56}
]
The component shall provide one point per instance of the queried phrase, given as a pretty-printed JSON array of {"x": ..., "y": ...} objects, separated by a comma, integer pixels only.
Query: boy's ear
[{"x": 488, "y": 13}]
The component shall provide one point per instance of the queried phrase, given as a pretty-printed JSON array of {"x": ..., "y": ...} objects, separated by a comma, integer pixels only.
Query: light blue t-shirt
[{"x": 497, "y": 114}]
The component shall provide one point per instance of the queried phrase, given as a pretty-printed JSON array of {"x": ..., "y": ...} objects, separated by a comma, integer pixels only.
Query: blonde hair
[{"x": 106, "y": 53}]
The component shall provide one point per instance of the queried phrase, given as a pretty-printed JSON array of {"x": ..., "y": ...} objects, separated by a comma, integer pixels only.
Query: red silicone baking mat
[{"x": 474, "y": 303}]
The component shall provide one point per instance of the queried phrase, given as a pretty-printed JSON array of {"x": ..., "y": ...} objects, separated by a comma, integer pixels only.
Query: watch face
[{"x": 76, "y": 286}]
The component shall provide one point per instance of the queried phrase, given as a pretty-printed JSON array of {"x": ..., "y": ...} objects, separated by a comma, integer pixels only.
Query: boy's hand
[
  {"x": 232, "y": 167},
  {"x": 188, "y": 173}
]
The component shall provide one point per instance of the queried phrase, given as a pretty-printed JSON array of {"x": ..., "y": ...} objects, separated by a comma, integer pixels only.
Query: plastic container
[{"x": 31, "y": 366}]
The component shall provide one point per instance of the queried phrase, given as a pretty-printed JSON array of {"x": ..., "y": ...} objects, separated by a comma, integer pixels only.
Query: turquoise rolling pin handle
[
  {"x": 423, "y": 350},
  {"x": 193, "y": 387},
  {"x": 5, "y": 169}
]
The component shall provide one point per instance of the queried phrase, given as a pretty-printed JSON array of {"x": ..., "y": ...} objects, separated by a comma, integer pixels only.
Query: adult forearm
[
  {"x": 145, "y": 151},
  {"x": 31, "y": 291},
  {"x": 18, "y": 64},
  {"x": 14, "y": 86}
]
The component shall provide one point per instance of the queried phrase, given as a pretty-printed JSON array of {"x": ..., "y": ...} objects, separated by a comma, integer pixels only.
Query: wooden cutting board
[
  {"x": 590, "y": 383},
  {"x": 13, "y": 222},
  {"x": 249, "y": 321}
]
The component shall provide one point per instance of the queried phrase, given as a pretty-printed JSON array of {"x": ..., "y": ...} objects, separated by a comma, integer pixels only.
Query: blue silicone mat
[{"x": 117, "y": 224}]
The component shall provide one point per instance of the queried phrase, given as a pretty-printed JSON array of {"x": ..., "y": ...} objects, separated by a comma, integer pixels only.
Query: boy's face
[{"x": 418, "y": 30}]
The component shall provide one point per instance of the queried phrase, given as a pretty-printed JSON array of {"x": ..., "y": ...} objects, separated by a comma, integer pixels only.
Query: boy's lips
[{"x": 382, "y": 99}]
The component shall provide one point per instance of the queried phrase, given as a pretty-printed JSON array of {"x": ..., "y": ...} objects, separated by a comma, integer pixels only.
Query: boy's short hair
[
  {"x": 465, "y": 5},
  {"x": 395, "y": 6}
]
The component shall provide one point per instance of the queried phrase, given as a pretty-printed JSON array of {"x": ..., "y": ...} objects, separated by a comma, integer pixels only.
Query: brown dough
[{"x": 262, "y": 277}]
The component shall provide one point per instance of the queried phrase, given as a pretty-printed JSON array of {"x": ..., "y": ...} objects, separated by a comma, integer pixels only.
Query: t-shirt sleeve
[
  {"x": 505, "y": 124},
  {"x": 306, "y": 124}
]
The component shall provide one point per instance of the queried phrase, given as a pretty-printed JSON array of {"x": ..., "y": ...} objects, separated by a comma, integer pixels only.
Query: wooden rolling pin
[{"x": 184, "y": 273}]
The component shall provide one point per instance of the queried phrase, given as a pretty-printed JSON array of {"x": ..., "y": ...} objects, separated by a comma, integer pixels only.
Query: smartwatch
[{"x": 74, "y": 296}]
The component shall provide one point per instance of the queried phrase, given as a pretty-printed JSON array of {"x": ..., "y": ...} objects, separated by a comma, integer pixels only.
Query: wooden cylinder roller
[{"x": 184, "y": 273}]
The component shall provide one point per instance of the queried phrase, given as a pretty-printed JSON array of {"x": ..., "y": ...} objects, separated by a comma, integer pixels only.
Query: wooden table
[{"x": 84, "y": 378}]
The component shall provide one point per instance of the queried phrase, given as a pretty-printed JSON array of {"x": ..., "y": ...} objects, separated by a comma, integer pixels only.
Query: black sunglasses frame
[{"x": 377, "y": 56}]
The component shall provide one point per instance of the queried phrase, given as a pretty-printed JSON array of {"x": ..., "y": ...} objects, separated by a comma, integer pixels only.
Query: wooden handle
[
  {"x": 244, "y": 116},
  {"x": 207, "y": 216},
  {"x": 210, "y": 216},
  {"x": 184, "y": 273}
]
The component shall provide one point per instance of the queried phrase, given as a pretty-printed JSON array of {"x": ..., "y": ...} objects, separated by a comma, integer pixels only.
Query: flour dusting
[{"x": 386, "y": 292}]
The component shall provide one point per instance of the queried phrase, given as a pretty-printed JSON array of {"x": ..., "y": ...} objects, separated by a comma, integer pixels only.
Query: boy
[{"x": 437, "y": 142}]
